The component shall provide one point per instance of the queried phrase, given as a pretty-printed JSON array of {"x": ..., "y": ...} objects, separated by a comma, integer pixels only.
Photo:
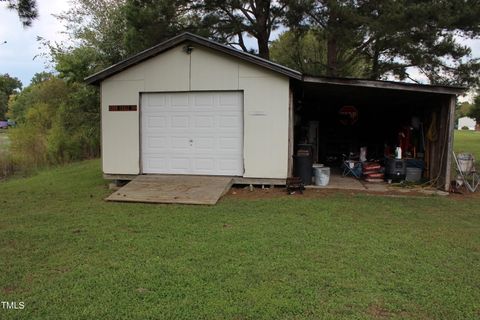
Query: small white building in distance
[{"x": 466, "y": 122}]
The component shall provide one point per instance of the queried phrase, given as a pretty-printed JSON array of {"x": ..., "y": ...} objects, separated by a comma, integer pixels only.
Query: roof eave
[
  {"x": 96, "y": 78},
  {"x": 391, "y": 85}
]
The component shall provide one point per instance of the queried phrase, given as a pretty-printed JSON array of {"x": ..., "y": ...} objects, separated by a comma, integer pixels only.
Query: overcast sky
[{"x": 19, "y": 56}]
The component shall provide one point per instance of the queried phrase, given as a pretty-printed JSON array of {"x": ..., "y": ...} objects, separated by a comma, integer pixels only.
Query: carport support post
[
  {"x": 290, "y": 134},
  {"x": 451, "y": 132}
]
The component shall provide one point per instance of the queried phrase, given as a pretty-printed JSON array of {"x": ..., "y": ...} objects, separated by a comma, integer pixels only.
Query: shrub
[
  {"x": 59, "y": 122},
  {"x": 465, "y": 128},
  {"x": 6, "y": 165}
]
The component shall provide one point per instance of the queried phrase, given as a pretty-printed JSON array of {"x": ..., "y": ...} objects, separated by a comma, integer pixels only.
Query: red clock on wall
[{"x": 348, "y": 115}]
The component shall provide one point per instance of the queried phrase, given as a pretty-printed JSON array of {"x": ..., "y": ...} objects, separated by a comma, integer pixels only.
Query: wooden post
[
  {"x": 450, "y": 132},
  {"x": 290, "y": 134}
]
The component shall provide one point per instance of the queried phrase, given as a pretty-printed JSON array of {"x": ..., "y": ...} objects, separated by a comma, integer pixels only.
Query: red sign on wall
[
  {"x": 348, "y": 115},
  {"x": 122, "y": 108}
]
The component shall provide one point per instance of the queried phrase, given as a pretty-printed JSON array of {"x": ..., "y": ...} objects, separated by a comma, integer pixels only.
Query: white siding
[
  {"x": 466, "y": 122},
  {"x": 266, "y": 98}
]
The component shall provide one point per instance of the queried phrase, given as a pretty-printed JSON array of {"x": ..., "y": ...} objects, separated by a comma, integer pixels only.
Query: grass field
[
  {"x": 468, "y": 141},
  {"x": 4, "y": 141},
  {"x": 67, "y": 254}
]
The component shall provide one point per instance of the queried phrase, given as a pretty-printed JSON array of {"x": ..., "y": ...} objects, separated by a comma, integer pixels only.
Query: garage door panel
[
  {"x": 228, "y": 100},
  {"x": 204, "y": 164},
  {"x": 179, "y": 100},
  {"x": 157, "y": 122},
  {"x": 205, "y": 144},
  {"x": 158, "y": 142},
  {"x": 180, "y": 163},
  {"x": 229, "y": 143},
  {"x": 227, "y": 165},
  {"x": 156, "y": 164},
  {"x": 180, "y": 143},
  {"x": 180, "y": 122},
  {"x": 193, "y": 133},
  {"x": 204, "y": 122},
  {"x": 205, "y": 100},
  {"x": 156, "y": 101},
  {"x": 230, "y": 121}
]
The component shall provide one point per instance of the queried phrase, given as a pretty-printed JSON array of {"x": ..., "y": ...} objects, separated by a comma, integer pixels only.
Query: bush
[
  {"x": 465, "y": 128},
  {"x": 6, "y": 166},
  {"x": 59, "y": 122}
]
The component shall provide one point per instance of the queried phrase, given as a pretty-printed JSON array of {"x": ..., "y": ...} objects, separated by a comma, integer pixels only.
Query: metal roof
[
  {"x": 382, "y": 84},
  {"x": 192, "y": 38}
]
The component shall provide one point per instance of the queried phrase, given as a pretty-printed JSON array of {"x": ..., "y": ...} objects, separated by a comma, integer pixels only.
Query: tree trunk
[
  {"x": 262, "y": 14},
  {"x": 332, "y": 67},
  {"x": 375, "y": 74},
  {"x": 263, "y": 49}
]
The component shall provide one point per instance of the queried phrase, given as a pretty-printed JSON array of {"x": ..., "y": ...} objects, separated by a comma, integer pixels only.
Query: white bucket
[
  {"x": 465, "y": 162},
  {"x": 322, "y": 176}
]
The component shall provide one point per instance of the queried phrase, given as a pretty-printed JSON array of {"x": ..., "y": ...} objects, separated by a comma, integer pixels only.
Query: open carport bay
[{"x": 339, "y": 119}]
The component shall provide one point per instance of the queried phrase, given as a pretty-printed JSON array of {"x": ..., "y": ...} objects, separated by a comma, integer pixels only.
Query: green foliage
[
  {"x": 58, "y": 122},
  {"x": 26, "y": 9},
  {"x": 302, "y": 52},
  {"x": 8, "y": 86},
  {"x": 52, "y": 92},
  {"x": 230, "y": 21},
  {"x": 306, "y": 52},
  {"x": 99, "y": 27},
  {"x": 474, "y": 111},
  {"x": 76, "y": 64},
  {"x": 395, "y": 36},
  {"x": 40, "y": 77},
  {"x": 151, "y": 22},
  {"x": 462, "y": 110}
]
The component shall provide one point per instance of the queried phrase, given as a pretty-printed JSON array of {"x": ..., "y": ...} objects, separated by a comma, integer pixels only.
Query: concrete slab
[
  {"x": 337, "y": 181},
  {"x": 173, "y": 189}
]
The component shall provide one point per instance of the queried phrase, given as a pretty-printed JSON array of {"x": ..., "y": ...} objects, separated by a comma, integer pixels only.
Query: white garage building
[{"x": 192, "y": 106}]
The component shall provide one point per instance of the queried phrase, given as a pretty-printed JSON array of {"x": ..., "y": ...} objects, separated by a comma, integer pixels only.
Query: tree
[
  {"x": 40, "y": 77},
  {"x": 306, "y": 52},
  {"x": 474, "y": 111},
  {"x": 395, "y": 36},
  {"x": 98, "y": 25},
  {"x": 26, "y": 9},
  {"x": 151, "y": 22},
  {"x": 8, "y": 86},
  {"x": 231, "y": 20},
  {"x": 59, "y": 121}
]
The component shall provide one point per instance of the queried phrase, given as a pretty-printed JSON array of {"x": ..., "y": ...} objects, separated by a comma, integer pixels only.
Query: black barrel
[
  {"x": 303, "y": 168},
  {"x": 395, "y": 169}
]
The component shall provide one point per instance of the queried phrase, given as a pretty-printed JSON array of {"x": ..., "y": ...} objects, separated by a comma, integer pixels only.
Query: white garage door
[{"x": 192, "y": 133}]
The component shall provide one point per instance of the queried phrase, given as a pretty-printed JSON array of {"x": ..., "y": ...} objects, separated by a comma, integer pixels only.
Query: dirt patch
[
  {"x": 378, "y": 312},
  {"x": 9, "y": 289},
  {"x": 241, "y": 192}
]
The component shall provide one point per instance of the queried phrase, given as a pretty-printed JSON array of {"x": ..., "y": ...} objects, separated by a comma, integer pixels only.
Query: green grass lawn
[
  {"x": 468, "y": 141},
  {"x": 67, "y": 254}
]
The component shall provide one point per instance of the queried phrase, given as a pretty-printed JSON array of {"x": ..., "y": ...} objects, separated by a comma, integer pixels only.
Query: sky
[{"x": 21, "y": 56}]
